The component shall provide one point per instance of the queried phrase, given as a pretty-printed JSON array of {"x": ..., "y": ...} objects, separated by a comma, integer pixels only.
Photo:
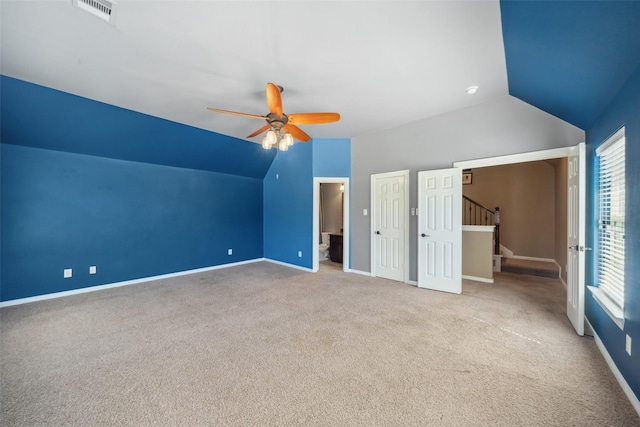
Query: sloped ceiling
[
  {"x": 569, "y": 58},
  {"x": 380, "y": 64}
]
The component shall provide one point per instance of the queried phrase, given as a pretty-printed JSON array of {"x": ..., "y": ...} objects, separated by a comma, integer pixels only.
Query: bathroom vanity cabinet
[{"x": 335, "y": 247}]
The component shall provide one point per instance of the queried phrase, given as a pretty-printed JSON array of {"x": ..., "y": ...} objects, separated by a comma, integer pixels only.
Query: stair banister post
[{"x": 496, "y": 219}]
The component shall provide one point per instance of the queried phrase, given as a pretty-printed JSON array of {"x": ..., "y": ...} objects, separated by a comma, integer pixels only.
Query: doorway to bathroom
[{"x": 331, "y": 217}]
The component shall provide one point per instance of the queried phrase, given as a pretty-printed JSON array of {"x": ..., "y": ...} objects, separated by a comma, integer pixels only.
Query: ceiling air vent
[{"x": 103, "y": 9}]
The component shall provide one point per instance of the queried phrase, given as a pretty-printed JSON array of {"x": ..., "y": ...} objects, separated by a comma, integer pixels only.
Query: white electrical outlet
[
  {"x": 229, "y": 251},
  {"x": 92, "y": 269},
  {"x": 628, "y": 346},
  {"x": 364, "y": 212},
  {"x": 299, "y": 254},
  {"x": 68, "y": 273}
]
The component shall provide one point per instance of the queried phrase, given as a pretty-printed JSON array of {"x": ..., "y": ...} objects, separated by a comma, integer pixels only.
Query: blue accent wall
[
  {"x": 288, "y": 207},
  {"x": 623, "y": 110},
  {"x": 41, "y": 117},
  {"x": 569, "y": 57},
  {"x": 131, "y": 220},
  {"x": 288, "y": 196},
  {"x": 85, "y": 183},
  {"x": 331, "y": 157}
]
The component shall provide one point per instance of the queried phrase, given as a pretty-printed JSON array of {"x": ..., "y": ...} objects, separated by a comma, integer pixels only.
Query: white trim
[
  {"x": 477, "y": 279},
  {"x": 119, "y": 284},
  {"x": 564, "y": 284},
  {"x": 411, "y": 282},
  {"x": 482, "y": 228},
  {"x": 505, "y": 251},
  {"x": 286, "y": 264},
  {"x": 618, "y": 135},
  {"x": 404, "y": 173},
  {"x": 559, "y": 269},
  {"x": 614, "y": 369},
  {"x": 346, "y": 220},
  {"x": 364, "y": 273},
  {"x": 608, "y": 306},
  {"x": 515, "y": 158}
]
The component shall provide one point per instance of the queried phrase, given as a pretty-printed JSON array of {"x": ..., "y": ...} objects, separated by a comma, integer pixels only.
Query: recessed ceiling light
[{"x": 472, "y": 89}]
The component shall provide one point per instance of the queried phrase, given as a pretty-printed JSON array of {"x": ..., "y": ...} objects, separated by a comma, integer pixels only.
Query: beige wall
[
  {"x": 477, "y": 254},
  {"x": 526, "y": 195},
  {"x": 331, "y": 207}
]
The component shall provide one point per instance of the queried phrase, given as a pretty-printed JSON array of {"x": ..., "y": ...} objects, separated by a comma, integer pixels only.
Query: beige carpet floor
[{"x": 262, "y": 344}]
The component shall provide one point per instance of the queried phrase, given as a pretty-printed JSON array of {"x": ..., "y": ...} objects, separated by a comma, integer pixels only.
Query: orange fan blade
[
  {"x": 259, "y": 131},
  {"x": 253, "y": 116},
  {"x": 274, "y": 100},
  {"x": 296, "y": 132},
  {"x": 312, "y": 118}
]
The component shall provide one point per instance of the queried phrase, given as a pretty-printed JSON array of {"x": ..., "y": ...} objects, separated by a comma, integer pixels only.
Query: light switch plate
[
  {"x": 628, "y": 345},
  {"x": 68, "y": 273},
  {"x": 230, "y": 252},
  {"x": 92, "y": 269}
]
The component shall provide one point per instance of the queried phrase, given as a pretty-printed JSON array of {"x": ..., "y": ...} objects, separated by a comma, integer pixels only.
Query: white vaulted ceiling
[{"x": 378, "y": 64}]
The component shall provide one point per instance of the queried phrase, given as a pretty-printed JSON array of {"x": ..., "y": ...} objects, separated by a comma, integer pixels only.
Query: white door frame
[
  {"x": 372, "y": 210},
  {"x": 346, "y": 219},
  {"x": 521, "y": 158}
]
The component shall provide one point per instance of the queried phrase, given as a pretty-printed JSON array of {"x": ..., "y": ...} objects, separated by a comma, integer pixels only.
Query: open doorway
[
  {"x": 576, "y": 213},
  {"x": 532, "y": 200},
  {"x": 334, "y": 196}
]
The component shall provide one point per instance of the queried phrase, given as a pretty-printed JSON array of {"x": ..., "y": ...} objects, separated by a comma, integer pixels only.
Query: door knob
[
  {"x": 424, "y": 235},
  {"x": 574, "y": 247},
  {"x": 377, "y": 232}
]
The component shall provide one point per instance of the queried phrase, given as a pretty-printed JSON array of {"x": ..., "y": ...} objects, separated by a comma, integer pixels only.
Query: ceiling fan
[{"x": 282, "y": 128}]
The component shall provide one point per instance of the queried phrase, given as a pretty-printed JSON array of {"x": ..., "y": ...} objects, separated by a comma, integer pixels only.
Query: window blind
[{"x": 611, "y": 168}]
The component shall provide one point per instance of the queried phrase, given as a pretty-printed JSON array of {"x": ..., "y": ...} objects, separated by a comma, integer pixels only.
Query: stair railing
[{"x": 476, "y": 214}]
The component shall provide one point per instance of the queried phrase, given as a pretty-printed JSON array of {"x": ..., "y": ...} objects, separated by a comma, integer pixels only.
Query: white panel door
[
  {"x": 576, "y": 206},
  {"x": 389, "y": 227},
  {"x": 440, "y": 230}
]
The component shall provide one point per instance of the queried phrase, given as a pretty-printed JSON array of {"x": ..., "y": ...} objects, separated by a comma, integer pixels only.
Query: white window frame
[{"x": 610, "y": 259}]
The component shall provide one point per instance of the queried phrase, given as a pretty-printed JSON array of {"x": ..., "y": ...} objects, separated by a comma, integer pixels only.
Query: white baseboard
[
  {"x": 286, "y": 264},
  {"x": 119, "y": 284},
  {"x": 563, "y": 283},
  {"x": 364, "y": 273},
  {"x": 505, "y": 251},
  {"x": 411, "y": 282},
  {"x": 477, "y": 279},
  {"x": 616, "y": 373}
]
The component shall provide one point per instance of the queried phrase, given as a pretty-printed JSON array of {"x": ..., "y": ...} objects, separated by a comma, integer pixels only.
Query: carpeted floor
[{"x": 262, "y": 344}]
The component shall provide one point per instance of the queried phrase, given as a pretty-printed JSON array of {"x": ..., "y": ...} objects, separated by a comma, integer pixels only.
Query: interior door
[
  {"x": 576, "y": 211},
  {"x": 389, "y": 226},
  {"x": 440, "y": 230}
]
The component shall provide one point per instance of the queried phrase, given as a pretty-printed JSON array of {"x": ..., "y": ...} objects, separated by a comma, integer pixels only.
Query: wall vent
[{"x": 103, "y": 9}]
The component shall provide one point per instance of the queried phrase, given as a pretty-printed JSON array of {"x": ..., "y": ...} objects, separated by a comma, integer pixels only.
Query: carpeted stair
[{"x": 530, "y": 267}]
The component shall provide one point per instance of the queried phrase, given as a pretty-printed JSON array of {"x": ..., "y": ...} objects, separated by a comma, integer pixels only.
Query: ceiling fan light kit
[{"x": 281, "y": 128}]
